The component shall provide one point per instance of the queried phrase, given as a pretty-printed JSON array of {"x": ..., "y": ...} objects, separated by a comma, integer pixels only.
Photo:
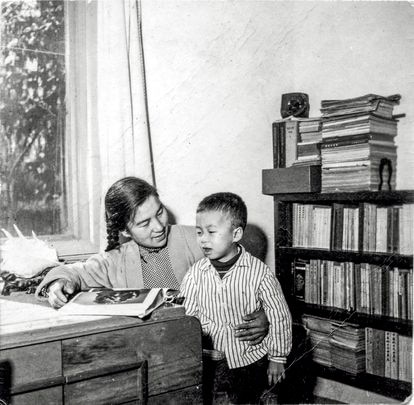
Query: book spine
[
  {"x": 357, "y": 269},
  {"x": 387, "y": 354},
  {"x": 394, "y": 355},
  {"x": 390, "y": 293},
  {"x": 396, "y": 230},
  {"x": 299, "y": 280},
  {"x": 363, "y": 229},
  {"x": 282, "y": 144},
  {"x": 325, "y": 283},
  {"x": 390, "y": 229},
  {"x": 368, "y": 350},
  {"x": 379, "y": 352},
  {"x": 307, "y": 283},
  {"x": 276, "y": 144},
  {"x": 291, "y": 141},
  {"x": 396, "y": 292},
  {"x": 410, "y": 294}
]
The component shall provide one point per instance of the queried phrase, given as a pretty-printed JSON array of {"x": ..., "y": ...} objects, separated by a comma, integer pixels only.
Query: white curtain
[
  {"x": 121, "y": 108},
  {"x": 109, "y": 115}
]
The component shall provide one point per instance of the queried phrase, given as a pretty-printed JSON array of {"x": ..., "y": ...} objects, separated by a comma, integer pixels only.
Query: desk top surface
[{"x": 25, "y": 320}]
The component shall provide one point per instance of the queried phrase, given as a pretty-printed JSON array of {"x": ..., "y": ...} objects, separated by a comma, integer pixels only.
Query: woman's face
[{"x": 149, "y": 227}]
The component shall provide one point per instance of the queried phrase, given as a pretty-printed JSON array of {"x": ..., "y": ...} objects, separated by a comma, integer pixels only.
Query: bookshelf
[{"x": 286, "y": 254}]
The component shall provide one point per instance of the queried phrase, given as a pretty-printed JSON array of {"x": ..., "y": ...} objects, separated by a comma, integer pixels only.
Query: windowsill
[
  {"x": 67, "y": 247},
  {"x": 72, "y": 250}
]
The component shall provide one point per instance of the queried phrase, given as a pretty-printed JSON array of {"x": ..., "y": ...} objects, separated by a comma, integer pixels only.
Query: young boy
[{"x": 222, "y": 287}]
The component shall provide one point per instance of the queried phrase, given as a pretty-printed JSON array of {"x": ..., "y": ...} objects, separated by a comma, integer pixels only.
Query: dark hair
[
  {"x": 228, "y": 203},
  {"x": 121, "y": 201}
]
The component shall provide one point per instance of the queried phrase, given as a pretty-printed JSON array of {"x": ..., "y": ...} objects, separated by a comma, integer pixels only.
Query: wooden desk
[{"x": 62, "y": 359}]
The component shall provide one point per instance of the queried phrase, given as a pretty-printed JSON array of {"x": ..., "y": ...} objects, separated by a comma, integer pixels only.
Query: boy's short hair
[{"x": 228, "y": 203}]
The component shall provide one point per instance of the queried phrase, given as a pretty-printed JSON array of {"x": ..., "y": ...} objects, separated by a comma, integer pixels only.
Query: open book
[{"x": 118, "y": 301}]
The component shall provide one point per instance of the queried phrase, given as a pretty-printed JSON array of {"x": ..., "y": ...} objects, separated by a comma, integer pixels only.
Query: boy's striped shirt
[{"x": 220, "y": 304}]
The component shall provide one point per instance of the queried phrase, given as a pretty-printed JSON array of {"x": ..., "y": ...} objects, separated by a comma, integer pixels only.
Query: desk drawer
[
  {"x": 87, "y": 354},
  {"x": 113, "y": 388},
  {"x": 34, "y": 367},
  {"x": 171, "y": 348},
  {"x": 47, "y": 396}
]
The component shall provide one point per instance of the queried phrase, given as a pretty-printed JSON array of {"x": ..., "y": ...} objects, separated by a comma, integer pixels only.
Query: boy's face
[
  {"x": 149, "y": 228},
  {"x": 216, "y": 236}
]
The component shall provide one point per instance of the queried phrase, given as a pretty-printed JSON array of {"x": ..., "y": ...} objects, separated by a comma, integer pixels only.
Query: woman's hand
[
  {"x": 254, "y": 328},
  {"x": 275, "y": 372},
  {"x": 59, "y": 292}
]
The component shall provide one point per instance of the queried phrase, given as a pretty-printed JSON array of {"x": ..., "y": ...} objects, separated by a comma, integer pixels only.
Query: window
[
  {"x": 32, "y": 117},
  {"x": 48, "y": 180}
]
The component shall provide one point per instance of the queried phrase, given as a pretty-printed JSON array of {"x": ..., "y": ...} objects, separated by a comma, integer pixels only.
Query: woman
[{"x": 156, "y": 254}]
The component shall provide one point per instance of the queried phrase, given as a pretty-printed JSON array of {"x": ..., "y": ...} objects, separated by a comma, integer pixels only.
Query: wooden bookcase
[{"x": 285, "y": 254}]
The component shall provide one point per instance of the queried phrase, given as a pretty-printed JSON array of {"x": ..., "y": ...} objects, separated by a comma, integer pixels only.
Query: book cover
[{"x": 120, "y": 301}]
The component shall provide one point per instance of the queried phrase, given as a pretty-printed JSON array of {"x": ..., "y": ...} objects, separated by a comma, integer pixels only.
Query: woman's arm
[
  {"x": 65, "y": 280},
  {"x": 254, "y": 328}
]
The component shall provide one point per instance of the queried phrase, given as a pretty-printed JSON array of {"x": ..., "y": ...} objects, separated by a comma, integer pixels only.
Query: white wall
[{"x": 216, "y": 70}]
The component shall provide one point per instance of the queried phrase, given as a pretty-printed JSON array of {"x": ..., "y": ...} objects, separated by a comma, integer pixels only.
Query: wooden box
[{"x": 295, "y": 179}]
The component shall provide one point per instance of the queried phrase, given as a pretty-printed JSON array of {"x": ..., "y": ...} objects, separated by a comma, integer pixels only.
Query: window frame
[
  {"x": 82, "y": 163},
  {"x": 81, "y": 154}
]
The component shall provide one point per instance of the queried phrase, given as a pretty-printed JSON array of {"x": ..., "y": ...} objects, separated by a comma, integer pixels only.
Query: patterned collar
[{"x": 146, "y": 253}]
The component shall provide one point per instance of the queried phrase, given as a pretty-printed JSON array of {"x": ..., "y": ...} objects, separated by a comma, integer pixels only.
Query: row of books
[
  {"x": 388, "y": 229},
  {"x": 356, "y": 349},
  {"x": 388, "y": 354},
  {"x": 361, "y": 287},
  {"x": 364, "y": 227},
  {"x": 338, "y": 344}
]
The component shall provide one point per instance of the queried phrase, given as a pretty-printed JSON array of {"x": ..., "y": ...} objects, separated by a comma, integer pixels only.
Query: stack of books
[
  {"x": 357, "y": 135},
  {"x": 348, "y": 347},
  {"x": 297, "y": 141},
  {"x": 336, "y": 344},
  {"x": 319, "y": 330},
  {"x": 309, "y": 142}
]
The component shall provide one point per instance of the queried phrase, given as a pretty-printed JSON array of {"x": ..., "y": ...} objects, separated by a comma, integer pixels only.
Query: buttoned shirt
[{"x": 220, "y": 304}]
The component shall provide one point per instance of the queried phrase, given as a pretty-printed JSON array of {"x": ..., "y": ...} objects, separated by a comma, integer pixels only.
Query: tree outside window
[{"x": 32, "y": 116}]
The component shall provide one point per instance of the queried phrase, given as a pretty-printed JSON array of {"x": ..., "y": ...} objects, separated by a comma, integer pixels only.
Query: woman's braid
[{"x": 112, "y": 231}]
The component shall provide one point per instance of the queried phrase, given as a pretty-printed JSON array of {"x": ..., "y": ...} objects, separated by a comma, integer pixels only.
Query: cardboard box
[{"x": 295, "y": 179}]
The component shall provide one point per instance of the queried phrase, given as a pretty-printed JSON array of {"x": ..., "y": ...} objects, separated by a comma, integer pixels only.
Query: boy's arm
[
  {"x": 188, "y": 290},
  {"x": 277, "y": 311}
]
